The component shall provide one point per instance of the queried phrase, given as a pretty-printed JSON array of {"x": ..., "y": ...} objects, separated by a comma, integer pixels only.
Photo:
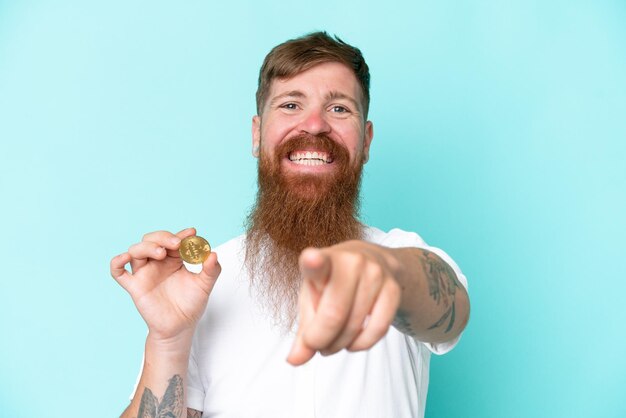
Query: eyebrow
[
  {"x": 336, "y": 95},
  {"x": 292, "y": 93}
]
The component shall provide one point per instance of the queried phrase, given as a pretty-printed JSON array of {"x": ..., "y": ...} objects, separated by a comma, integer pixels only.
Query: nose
[{"x": 314, "y": 122}]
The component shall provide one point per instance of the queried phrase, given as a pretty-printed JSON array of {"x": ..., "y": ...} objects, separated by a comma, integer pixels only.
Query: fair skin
[
  {"x": 325, "y": 99},
  {"x": 171, "y": 300},
  {"x": 351, "y": 293}
]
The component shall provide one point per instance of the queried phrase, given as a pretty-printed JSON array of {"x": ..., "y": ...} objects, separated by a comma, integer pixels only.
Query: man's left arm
[
  {"x": 434, "y": 306},
  {"x": 354, "y": 291}
]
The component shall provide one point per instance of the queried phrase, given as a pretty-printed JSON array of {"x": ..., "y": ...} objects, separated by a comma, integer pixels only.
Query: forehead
[{"x": 320, "y": 79}]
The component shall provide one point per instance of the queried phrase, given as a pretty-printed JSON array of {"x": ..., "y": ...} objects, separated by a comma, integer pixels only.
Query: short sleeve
[
  {"x": 195, "y": 391},
  {"x": 132, "y": 395},
  {"x": 397, "y": 238}
]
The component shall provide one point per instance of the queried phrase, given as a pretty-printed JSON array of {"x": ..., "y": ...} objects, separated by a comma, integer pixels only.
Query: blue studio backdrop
[{"x": 500, "y": 135}]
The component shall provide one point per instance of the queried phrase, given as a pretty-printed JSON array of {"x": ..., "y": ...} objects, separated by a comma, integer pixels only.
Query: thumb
[
  {"x": 211, "y": 270},
  {"x": 315, "y": 266}
]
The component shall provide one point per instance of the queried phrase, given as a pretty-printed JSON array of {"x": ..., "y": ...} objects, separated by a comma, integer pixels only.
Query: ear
[
  {"x": 367, "y": 141},
  {"x": 256, "y": 135}
]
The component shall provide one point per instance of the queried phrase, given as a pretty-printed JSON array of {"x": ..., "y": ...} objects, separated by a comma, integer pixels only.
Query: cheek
[
  {"x": 273, "y": 133},
  {"x": 352, "y": 139}
]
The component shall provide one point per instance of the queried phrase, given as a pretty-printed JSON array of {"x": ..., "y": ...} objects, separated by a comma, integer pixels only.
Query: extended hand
[
  {"x": 348, "y": 299},
  {"x": 168, "y": 297}
]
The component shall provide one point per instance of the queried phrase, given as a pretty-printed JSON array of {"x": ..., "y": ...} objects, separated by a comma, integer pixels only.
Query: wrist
[
  {"x": 172, "y": 346},
  {"x": 394, "y": 261},
  {"x": 405, "y": 266}
]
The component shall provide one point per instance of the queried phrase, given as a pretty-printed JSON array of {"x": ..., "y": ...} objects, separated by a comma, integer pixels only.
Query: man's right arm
[{"x": 171, "y": 300}]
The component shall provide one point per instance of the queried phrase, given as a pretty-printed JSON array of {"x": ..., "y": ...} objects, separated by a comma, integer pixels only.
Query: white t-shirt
[{"x": 238, "y": 367}]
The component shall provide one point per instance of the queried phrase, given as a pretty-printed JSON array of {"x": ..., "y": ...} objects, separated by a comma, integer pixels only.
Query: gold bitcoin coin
[{"x": 194, "y": 250}]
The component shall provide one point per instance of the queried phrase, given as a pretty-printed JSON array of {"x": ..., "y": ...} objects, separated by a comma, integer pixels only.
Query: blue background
[{"x": 499, "y": 137}]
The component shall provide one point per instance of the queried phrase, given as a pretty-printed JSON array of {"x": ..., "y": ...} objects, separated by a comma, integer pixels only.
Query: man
[{"x": 355, "y": 309}]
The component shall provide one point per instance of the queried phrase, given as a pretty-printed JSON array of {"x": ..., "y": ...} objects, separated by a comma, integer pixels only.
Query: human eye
[
  {"x": 289, "y": 106},
  {"x": 339, "y": 109}
]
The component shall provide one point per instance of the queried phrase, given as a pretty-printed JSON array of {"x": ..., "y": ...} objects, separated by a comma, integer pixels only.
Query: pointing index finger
[{"x": 315, "y": 265}]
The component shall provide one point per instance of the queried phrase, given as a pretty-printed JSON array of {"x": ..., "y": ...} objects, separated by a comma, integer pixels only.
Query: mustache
[{"x": 337, "y": 151}]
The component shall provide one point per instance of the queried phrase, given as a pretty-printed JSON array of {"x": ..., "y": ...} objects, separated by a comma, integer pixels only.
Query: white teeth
[
  {"x": 311, "y": 162},
  {"x": 310, "y": 158}
]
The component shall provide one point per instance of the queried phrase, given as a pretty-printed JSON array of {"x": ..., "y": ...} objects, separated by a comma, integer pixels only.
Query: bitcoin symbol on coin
[{"x": 194, "y": 250}]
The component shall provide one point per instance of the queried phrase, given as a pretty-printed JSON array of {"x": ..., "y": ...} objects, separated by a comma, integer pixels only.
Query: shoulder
[
  {"x": 394, "y": 238},
  {"x": 398, "y": 238}
]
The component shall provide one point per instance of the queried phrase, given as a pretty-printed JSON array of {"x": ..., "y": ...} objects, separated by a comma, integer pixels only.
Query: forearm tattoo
[
  {"x": 171, "y": 406},
  {"x": 442, "y": 285},
  {"x": 149, "y": 405},
  {"x": 402, "y": 323}
]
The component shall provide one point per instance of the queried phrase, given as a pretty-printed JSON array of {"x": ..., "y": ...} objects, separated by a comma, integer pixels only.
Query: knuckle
[
  {"x": 152, "y": 235},
  {"x": 371, "y": 279},
  {"x": 333, "y": 315},
  {"x": 375, "y": 270},
  {"x": 215, "y": 272},
  {"x": 352, "y": 258},
  {"x": 136, "y": 249},
  {"x": 378, "y": 331},
  {"x": 354, "y": 326}
]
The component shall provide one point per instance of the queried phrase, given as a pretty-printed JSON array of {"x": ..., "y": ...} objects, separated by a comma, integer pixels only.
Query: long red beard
[{"x": 295, "y": 211}]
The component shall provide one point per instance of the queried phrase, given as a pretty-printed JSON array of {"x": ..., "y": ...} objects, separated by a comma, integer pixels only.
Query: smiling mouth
[{"x": 310, "y": 158}]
